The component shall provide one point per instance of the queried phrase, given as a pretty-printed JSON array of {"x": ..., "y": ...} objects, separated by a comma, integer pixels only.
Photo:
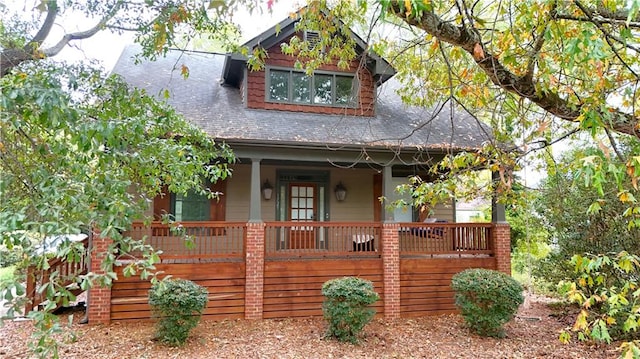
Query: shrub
[
  {"x": 346, "y": 306},
  {"x": 177, "y": 305},
  {"x": 607, "y": 291},
  {"x": 9, "y": 257},
  {"x": 487, "y": 299}
]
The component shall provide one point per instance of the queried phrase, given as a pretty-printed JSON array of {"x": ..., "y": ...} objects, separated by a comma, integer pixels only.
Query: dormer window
[{"x": 321, "y": 88}]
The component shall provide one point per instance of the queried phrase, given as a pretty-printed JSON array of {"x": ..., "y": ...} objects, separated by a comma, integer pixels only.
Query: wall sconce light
[
  {"x": 341, "y": 192},
  {"x": 267, "y": 190}
]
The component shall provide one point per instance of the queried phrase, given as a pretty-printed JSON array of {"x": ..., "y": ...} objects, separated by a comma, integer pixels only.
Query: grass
[{"x": 7, "y": 275}]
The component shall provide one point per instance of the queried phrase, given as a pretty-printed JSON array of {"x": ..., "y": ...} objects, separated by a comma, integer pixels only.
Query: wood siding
[
  {"x": 425, "y": 283},
  {"x": 292, "y": 288},
  {"x": 256, "y": 82},
  {"x": 224, "y": 281}
]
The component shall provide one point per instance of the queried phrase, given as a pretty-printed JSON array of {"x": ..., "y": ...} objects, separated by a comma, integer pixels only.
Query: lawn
[{"x": 6, "y": 275}]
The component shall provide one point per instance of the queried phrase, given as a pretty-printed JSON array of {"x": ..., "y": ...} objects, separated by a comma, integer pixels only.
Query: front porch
[{"x": 276, "y": 269}]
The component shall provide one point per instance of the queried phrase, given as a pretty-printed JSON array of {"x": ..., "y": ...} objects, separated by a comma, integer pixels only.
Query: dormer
[{"x": 329, "y": 90}]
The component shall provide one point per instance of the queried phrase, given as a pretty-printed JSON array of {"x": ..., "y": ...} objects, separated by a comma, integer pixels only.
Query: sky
[{"x": 107, "y": 47}]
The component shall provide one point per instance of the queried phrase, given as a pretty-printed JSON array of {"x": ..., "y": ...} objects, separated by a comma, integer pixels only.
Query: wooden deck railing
[
  {"x": 209, "y": 240},
  {"x": 321, "y": 239},
  {"x": 64, "y": 272},
  {"x": 446, "y": 238}
]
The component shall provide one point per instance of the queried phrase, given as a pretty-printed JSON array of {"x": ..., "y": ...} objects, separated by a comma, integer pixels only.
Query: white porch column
[{"x": 255, "y": 206}]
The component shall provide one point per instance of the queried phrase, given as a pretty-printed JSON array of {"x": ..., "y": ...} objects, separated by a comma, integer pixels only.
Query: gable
[
  {"x": 235, "y": 63},
  {"x": 280, "y": 86}
]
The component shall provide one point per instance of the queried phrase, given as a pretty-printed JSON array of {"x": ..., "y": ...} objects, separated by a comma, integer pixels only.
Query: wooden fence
[{"x": 60, "y": 272}]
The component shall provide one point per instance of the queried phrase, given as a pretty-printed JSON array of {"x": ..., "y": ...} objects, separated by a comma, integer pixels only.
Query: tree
[
  {"x": 538, "y": 72},
  {"x": 80, "y": 151},
  {"x": 158, "y": 25}
]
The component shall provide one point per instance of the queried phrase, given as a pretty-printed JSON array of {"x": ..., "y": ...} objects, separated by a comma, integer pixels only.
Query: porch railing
[
  {"x": 446, "y": 238},
  {"x": 193, "y": 240},
  {"x": 321, "y": 239}
]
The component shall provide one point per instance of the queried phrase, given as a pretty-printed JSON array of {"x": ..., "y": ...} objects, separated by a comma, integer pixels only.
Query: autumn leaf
[
  {"x": 478, "y": 52},
  {"x": 184, "y": 71},
  {"x": 407, "y": 6}
]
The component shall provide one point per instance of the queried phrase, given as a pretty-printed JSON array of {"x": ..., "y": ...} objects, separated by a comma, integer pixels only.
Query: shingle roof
[{"x": 220, "y": 112}]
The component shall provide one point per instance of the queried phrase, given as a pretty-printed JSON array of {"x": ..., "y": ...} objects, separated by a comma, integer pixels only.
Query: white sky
[{"x": 107, "y": 47}]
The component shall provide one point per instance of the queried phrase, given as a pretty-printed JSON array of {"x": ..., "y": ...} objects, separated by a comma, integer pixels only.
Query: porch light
[
  {"x": 341, "y": 192},
  {"x": 267, "y": 190}
]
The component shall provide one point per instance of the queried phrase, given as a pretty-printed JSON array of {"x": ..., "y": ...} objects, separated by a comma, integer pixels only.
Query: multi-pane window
[
  {"x": 191, "y": 207},
  {"x": 319, "y": 89}
]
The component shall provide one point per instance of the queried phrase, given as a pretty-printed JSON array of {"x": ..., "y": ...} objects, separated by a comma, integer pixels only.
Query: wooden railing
[
  {"x": 446, "y": 238},
  {"x": 65, "y": 274},
  {"x": 321, "y": 239},
  {"x": 193, "y": 240}
]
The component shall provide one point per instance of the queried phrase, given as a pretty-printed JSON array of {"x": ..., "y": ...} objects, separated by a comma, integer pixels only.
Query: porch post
[
  {"x": 254, "y": 276},
  {"x": 501, "y": 232},
  {"x": 99, "y": 297},
  {"x": 254, "y": 261},
  {"x": 391, "y": 270},
  {"x": 390, "y": 253},
  {"x": 255, "y": 207}
]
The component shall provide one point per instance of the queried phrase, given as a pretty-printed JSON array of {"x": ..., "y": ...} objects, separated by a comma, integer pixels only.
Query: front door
[{"x": 302, "y": 208}]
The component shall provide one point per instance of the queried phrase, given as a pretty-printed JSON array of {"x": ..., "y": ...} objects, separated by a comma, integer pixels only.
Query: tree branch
[
  {"x": 45, "y": 29},
  {"x": 470, "y": 41},
  {"x": 55, "y": 49}
]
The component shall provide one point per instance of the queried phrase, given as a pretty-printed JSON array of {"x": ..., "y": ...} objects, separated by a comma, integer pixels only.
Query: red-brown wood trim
[
  {"x": 219, "y": 205},
  {"x": 162, "y": 203},
  {"x": 377, "y": 193}
]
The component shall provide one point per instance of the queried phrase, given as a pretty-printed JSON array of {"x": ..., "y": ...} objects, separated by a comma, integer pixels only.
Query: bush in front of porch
[
  {"x": 177, "y": 304},
  {"x": 346, "y": 306},
  {"x": 487, "y": 299}
]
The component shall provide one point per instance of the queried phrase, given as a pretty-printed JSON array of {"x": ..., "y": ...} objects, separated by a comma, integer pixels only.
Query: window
[
  {"x": 190, "y": 207},
  {"x": 320, "y": 89}
]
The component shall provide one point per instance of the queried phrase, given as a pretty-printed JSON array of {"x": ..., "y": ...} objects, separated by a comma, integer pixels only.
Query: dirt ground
[{"x": 532, "y": 334}]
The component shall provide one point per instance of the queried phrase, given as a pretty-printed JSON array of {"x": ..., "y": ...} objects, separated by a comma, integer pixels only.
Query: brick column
[
  {"x": 98, "y": 297},
  {"x": 391, "y": 270},
  {"x": 254, "y": 281},
  {"x": 502, "y": 246}
]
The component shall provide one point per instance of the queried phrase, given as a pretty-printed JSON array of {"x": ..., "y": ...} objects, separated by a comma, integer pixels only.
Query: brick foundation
[
  {"x": 99, "y": 298},
  {"x": 502, "y": 246},
  {"x": 254, "y": 283},
  {"x": 391, "y": 270}
]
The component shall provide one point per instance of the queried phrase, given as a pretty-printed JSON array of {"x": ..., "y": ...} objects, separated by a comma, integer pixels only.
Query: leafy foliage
[
  {"x": 81, "y": 150},
  {"x": 487, "y": 299},
  {"x": 562, "y": 206},
  {"x": 177, "y": 305},
  {"x": 346, "y": 306},
  {"x": 607, "y": 291}
]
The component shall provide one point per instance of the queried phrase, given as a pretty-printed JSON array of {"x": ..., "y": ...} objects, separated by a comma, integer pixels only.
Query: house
[{"x": 314, "y": 156}]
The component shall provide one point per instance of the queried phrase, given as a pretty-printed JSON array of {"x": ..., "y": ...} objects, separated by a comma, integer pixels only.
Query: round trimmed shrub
[
  {"x": 177, "y": 305},
  {"x": 487, "y": 299},
  {"x": 346, "y": 306}
]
